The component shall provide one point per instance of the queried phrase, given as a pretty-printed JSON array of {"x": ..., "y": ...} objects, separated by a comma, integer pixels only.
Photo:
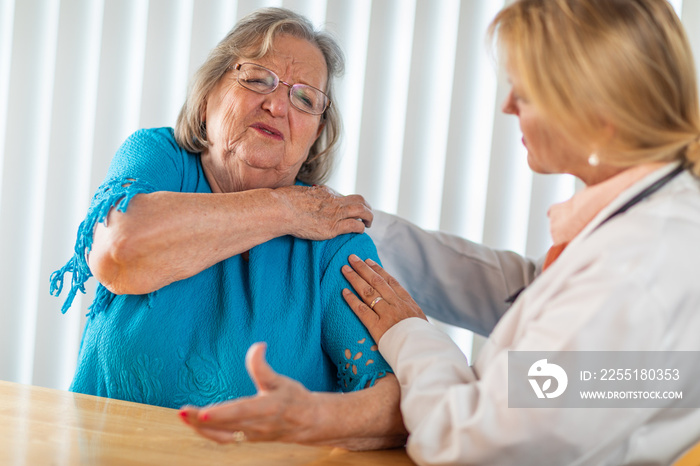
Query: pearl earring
[{"x": 593, "y": 160}]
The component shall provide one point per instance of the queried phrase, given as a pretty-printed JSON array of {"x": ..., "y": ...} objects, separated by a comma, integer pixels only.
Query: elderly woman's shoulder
[
  {"x": 154, "y": 154},
  {"x": 338, "y": 249},
  {"x": 154, "y": 144},
  {"x": 164, "y": 136}
]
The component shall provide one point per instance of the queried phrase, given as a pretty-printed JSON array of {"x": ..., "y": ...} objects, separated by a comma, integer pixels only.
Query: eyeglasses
[{"x": 259, "y": 79}]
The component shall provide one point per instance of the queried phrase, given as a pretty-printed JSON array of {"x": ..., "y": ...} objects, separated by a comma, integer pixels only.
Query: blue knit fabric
[{"x": 185, "y": 343}]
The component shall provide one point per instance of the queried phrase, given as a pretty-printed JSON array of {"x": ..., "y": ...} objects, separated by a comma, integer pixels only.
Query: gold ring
[
  {"x": 239, "y": 436},
  {"x": 376, "y": 300}
]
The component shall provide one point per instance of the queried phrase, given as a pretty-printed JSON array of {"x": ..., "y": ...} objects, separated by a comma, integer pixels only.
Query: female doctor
[{"x": 606, "y": 91}]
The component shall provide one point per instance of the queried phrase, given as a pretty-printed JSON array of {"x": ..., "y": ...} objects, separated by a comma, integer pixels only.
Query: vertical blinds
[{"x": 424, "y": 136}]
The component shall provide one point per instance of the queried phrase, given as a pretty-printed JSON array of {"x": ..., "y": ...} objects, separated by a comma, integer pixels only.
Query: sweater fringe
[{"x": 114, "y": 193}]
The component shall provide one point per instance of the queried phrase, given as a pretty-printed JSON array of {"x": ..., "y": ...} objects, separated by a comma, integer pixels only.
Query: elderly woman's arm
[
  {"x": 285, "y": 411},
  {"x": 167, "y": 236}
]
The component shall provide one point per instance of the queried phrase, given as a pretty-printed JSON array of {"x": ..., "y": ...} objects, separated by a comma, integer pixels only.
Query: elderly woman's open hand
[
  {"x": 384, "y": 302},
  {"x": 281, "y": 411},
  {"x": 319, "y": 213}
]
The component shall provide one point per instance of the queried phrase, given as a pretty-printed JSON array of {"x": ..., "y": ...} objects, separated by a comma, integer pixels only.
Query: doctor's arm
[
  {"x": 454, "y": 280},
  {"x": 460, "y": 414}
]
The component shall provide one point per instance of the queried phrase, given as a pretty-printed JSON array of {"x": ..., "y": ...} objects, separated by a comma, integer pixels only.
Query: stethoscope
[{"x": 648, "y": 191}]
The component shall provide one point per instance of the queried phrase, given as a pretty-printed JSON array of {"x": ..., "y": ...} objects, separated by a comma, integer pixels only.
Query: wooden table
[{"x": 41, "y": 426}]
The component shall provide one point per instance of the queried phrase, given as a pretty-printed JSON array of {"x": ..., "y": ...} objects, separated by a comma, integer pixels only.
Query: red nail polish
[{"x": 204, "y": 417}]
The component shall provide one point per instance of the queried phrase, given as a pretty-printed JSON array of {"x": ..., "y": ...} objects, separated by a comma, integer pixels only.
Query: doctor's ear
[{"x": 606, "y": 132}]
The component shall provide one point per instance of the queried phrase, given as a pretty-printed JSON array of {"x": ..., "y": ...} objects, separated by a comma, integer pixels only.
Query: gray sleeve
[{"x": 454, "y": 280}]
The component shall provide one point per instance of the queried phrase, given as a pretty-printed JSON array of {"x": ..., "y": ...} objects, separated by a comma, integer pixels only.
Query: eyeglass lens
[{"x": 263, "y": 81}]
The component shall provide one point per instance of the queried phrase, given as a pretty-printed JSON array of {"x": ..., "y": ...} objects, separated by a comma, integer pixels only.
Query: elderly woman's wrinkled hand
[
  {"x": 383, "y": 302},
  {"x": 319, "y": 213},
  {"x": 282, "y": 410}
]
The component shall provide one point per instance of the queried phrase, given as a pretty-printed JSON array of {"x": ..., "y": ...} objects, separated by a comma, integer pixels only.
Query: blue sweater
[{"x": 185, "y": 343}]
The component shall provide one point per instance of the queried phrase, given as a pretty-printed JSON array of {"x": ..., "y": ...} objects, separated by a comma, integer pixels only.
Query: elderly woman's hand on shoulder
[{"x": 319, "y": 213}]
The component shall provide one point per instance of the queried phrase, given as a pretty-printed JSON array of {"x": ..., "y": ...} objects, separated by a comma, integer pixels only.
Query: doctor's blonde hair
[{"x": 592, "y": 64}]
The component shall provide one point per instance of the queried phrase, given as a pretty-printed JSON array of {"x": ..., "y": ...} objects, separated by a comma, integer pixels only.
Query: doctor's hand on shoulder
[{"x": 382, "y": 301}]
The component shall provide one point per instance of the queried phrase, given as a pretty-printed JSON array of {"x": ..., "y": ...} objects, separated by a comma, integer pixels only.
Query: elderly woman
[
  {"x": 604, "y": 90},
  {"x": 209, "y": 237}
]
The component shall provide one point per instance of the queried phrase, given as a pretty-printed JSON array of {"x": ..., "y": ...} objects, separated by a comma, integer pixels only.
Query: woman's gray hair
[{"x": 252, "y": 37}]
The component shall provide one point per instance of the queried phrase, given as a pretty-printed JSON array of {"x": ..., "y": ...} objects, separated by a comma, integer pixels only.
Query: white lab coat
[{"x": 633, "y": 284}]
